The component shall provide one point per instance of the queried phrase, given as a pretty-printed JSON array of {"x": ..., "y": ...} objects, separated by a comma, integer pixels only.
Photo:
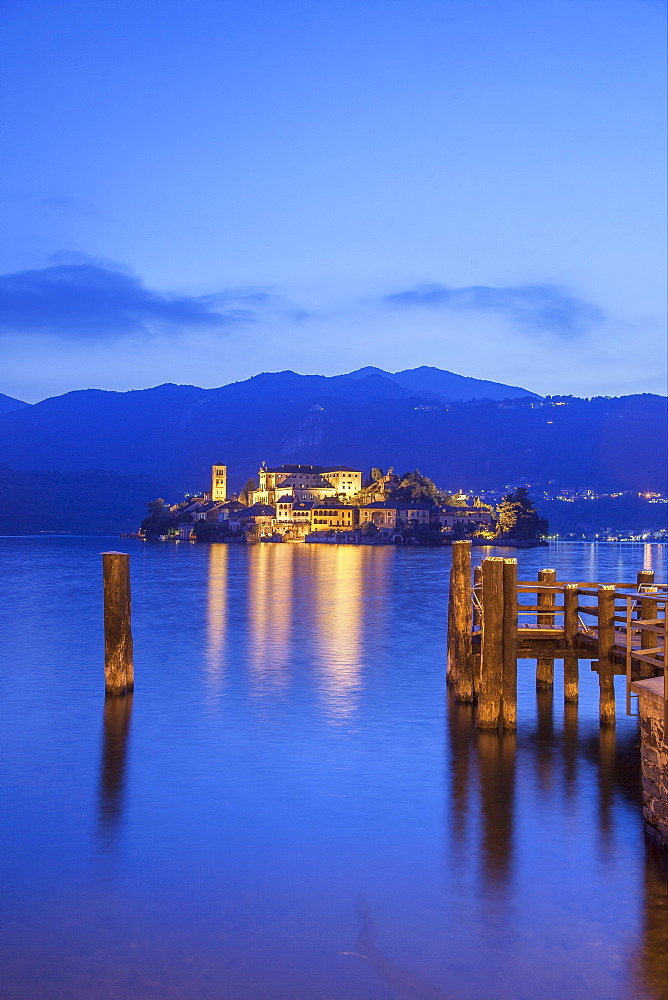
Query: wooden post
[
  {"x": 606, "y": 640},
  {"x": 544, "y": 666},
  {"x": 491, "y": 666},
  {"x": 509, "y": 684},
  {"x": 119, "y": 676},
  {"x": 460, "y": 621},
  {"x": 571, "y": 667},
  {"x": 648, "y": 610}
]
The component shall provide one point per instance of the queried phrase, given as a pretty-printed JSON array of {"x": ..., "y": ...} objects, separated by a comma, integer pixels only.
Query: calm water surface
[{"x": 289, "y": 807}]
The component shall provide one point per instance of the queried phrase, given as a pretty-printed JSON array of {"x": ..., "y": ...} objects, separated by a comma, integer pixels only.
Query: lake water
[{"x": 289, "y": 806}]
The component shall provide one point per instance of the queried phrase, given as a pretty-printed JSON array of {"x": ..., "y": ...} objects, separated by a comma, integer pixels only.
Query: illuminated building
[
  {"x": 218, "y": 482},
  {"x": 306, "y": 482},
  {"x": 389, "y": 514},
  {"x": 333, "y": 514}
]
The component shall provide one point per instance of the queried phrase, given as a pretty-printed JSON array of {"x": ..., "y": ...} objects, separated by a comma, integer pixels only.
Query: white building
[{"x": 306, "y": 482}]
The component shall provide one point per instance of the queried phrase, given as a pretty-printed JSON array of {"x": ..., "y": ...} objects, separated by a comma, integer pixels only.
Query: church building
[{"x": 219, "y": 482}]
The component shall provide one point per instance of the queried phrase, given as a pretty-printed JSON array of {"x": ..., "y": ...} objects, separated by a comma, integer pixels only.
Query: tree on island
[
  {"x": 249, "y": 487},
  {"x": 518, "y": 518},
  {"x": 205, "y": 531},
  {"x": 428, "y": 534},
  {"x": 462, "y": 530},
  {"x": 453, "y": 500},
  {"x": 477, "y": 502},
  {"x": 372, "y": 478},
  {"x": 413, "y": 486},
  {"x": 159, "y": 521},
  {"x": 156, "y": 508}
]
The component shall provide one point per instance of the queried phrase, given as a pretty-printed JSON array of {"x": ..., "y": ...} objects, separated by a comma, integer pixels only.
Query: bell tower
[{"x": 219, "y": 482}]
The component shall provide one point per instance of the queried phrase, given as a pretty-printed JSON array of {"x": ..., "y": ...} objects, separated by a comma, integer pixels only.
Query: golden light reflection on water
[
  {"x": 216, "y": 617},
  {"x": 337, "y": 573},
  {"x": 322, "y": 590},
  {"x": 270, "y": 613},
  {"x": 654, "y": 557},
  {"x": 591, "y": 561}
]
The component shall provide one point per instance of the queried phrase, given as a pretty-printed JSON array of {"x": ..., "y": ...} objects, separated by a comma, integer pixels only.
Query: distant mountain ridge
[
  {"x": 446, "y": 385},
  {"x": 173, "y": 433},
  {"x": 8, "y": 403}
]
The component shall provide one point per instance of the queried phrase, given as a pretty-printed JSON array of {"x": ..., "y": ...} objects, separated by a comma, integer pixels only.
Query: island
[{"x": 336, "y": 505}]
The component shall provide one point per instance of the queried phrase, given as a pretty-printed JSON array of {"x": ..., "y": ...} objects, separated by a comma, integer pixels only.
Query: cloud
[
  {"x": 84, "y": 299},
  {"x": 531, "y": 307}
]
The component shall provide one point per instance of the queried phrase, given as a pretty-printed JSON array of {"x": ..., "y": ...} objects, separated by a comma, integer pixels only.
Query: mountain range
[
  {"x": 8, "y": 403},
  {"x": 463, "y": 433},
  {"x": 443, "y": 385}
]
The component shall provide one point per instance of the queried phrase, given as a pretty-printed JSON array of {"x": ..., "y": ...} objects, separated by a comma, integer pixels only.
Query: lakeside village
[{"x": 314, "y": 503}]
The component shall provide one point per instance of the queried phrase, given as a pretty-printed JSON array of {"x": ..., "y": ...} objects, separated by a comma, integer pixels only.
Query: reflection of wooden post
[
  {"x": 545, "y": 744},
  {"x": 606, "y": 640},
  {"x": 571, "y": 670},
  {"x": 571, "y": 756},
  {"x": 117, "y": 714},
  {"x": 607, "y": 756},
  {"x": 647, "y": 610},
  {"x": 459, "y": 669},
  {"x": 119, "y": 675},
  {"x": 496, "y": 784},
  {"x": 544, "y": 666},
  {"x": 491, "y": 665},
  {"x": 509, "y": 685},
  {"x": 461, "y": 733}
]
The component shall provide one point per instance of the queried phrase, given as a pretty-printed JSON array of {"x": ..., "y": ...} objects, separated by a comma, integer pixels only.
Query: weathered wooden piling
[
  {"x": 498, "y": 642},
  {"x": 491, "y": 660},
  {"x": 546, "y": 599},
  {"x": 119, "y": 676},
  {"x": 648, "y": 610},
  {"x": 571, "y": 668},
  {"x": 606, "y": 640},
  {"x": 460, "y": 621},
  {"x": 509, "y": 682}
]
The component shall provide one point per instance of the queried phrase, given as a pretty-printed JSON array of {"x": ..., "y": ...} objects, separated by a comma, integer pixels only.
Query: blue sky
[{"x": 196, "y": 192}]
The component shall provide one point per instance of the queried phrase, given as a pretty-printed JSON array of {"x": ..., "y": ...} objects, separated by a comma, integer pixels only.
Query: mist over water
[{"x": 290, "y": 805}]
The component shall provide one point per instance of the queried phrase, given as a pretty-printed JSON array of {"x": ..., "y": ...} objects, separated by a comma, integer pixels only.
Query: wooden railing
[
  {"x": 649, "y": 623},
  {"x": 620, "y": 627}
]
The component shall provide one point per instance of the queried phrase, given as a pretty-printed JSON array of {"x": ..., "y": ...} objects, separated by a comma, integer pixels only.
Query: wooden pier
[{"x": 494, "y": 620}]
